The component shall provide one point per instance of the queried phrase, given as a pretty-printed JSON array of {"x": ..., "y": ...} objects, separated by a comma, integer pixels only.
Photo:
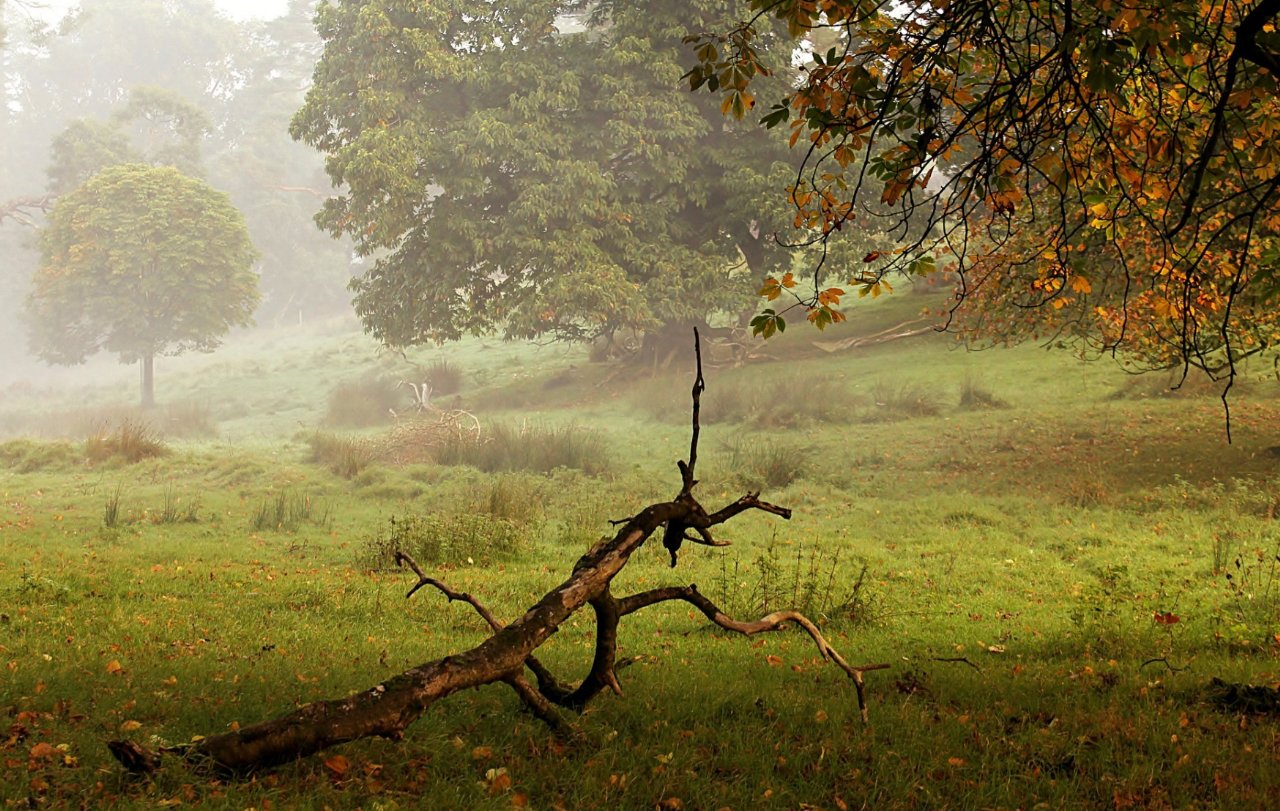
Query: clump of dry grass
[{"x": 131, "y": 441}]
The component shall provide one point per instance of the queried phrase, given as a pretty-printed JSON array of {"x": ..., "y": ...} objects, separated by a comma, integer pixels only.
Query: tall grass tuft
[
  {"x": 975, "y": 397},
  {"x": 286, "y": 511},
  {"x": 901, "y": 401},
  {"x": 346, "y": 456},
  {"x": 527, "y": 446},
  {"x": 766, "y": 463},
  {"x": 176, "y": 512},
  {"x": 111, "y": 511},
  {"x": 131, "y": 441}
]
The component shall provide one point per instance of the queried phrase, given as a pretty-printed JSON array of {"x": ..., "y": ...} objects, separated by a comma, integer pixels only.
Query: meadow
[{"x": 1055, "y": 557}]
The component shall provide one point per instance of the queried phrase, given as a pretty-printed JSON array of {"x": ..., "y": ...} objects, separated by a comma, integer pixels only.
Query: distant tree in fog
[{"x": 140, "y": 261}]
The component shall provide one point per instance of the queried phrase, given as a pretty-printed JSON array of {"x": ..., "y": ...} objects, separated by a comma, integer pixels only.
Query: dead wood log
[
  {"x": 907, "y": 329},
  {"x": 387, "y": 709}
]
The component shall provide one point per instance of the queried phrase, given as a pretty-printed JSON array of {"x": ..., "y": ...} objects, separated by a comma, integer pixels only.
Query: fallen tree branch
[
  {"x": 387, "y": 709},
  {"x": 906, "y": 329}
]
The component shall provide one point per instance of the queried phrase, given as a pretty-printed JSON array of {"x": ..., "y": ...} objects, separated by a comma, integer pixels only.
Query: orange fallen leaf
[
  {"x": 114, "y": 666},
  {"x": 337, "y": 766},
  {"x": 130, "y": 726},
  {"x": 773, "y": 661},
  {"x": 43, "y": 751}
]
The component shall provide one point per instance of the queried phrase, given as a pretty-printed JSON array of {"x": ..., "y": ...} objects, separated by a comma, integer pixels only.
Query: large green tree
[
  {"x": 514, "y": 167},
  {"x": 140, "y": 261}
]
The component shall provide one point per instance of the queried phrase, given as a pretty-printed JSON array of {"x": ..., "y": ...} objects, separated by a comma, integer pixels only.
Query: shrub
[
  {"x": 132, "y": 441},
  {"x": 527, "y": 446},
  {"x": 344, "y": 455},
  {"x": 436, "y": 539},
  {"x": 364, "y": 402}
]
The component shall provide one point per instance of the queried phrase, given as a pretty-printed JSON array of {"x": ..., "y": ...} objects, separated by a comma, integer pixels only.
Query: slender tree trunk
[{"x": 148, "y": 364}]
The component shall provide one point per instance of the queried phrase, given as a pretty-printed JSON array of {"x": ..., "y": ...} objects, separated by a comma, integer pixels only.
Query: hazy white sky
[{"x": 239, "y": 9}]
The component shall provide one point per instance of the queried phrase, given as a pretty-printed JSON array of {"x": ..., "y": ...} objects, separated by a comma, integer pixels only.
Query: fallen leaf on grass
[{"x": 337, "y": 766}]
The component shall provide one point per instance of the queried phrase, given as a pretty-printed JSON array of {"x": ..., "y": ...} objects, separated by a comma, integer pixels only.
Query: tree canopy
[
  {"x": 140, "y": 261},
  {"x": 513, "y": 167},
  {"x": 1103, "y": 171}
]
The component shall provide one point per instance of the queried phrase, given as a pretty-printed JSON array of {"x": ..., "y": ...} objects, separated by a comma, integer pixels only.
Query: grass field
[{"x": 1055, "y": 557}]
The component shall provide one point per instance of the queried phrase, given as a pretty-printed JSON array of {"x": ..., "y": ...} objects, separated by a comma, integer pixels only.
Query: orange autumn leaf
[{"x": 337, "y": 766}]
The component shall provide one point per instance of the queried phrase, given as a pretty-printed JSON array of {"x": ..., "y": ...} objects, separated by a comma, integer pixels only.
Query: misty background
[{"x": 74, "y": 71}]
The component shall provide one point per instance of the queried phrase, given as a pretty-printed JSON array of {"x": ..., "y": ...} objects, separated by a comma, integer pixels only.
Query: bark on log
[{"x": 387, "y": 709}]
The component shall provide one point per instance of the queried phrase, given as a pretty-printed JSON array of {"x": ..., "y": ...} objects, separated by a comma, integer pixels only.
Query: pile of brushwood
[{"x": 387, "y": 709}]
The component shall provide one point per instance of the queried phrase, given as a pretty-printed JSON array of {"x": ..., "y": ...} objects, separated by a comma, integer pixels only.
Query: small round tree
[{"x": 140, "y": 261}]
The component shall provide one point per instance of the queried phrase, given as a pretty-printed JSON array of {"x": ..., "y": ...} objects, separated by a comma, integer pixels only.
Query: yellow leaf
[
  {"x": 130, "y": 726},
  {"x": 1081, "y": 285},
  {"x": 114, "y": 666}
]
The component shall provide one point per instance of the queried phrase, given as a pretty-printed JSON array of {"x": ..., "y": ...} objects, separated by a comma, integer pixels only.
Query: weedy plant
[
  {"x": 436, "y": 539},
  {"x": 807, "y": 579}
]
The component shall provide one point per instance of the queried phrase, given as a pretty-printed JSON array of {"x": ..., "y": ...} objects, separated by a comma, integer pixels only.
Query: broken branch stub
[{"x": 387, "y": 709}]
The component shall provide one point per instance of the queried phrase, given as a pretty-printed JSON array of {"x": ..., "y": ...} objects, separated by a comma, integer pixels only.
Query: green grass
[{"x": 1009, "y": 563}]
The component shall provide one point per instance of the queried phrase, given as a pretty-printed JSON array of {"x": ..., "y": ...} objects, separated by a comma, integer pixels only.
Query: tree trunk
[{"x": 148, "y": 370}]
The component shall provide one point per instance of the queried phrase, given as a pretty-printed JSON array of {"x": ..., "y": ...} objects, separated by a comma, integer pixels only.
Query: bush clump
[{"x": 437, "y": 539}]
